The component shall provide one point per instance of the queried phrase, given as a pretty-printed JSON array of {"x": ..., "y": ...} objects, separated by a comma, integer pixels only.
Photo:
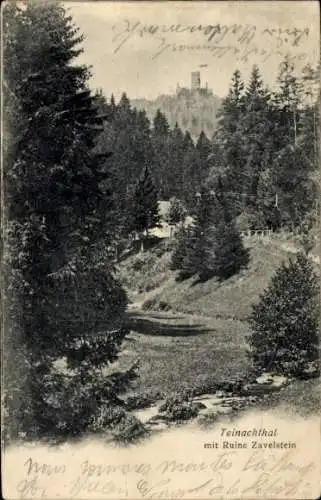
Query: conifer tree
[
  {"x": 128, "y": 137},
  {"x": 176, "y": 155},
  {"x": 258, "y": 136},
  {"x": 160, "y": 125},
  {"x": 112, "y": 107},
  {"x": 183, "y": 241},
  {"x": 267, "y": 201},
  {"x": 310, "y": 117},
  {"x": 177, "y": 212},
  {"x": 190, "y": 170},
  {"x": 64, "y": 300},
  {"x": 203, "y": 146},
  {"x": 296, "y": 188},
  {"x": 213, "y": 245},
  {"x": 145, "y": 212},
  {"x": 222, "y": 246},
  {"x": 284, "y": 323},
  {"x": 228, "y": 140},
  {"x": 288, "y": 100},
  {"x": 188, "y": 143},
  {"x": 161, "y": 161}
]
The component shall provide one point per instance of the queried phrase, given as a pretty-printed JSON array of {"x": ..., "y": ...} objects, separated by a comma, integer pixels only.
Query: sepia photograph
[{"x": 160, "y": 238}]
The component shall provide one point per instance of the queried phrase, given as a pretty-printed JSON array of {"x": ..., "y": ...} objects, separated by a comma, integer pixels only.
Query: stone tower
[{"x": 195, "y": 80}]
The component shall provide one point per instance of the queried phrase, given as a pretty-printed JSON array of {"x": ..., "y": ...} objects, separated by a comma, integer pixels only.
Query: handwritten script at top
[
  {"x": 226, "y": 474},
  {"x": 240, "y": 40}
]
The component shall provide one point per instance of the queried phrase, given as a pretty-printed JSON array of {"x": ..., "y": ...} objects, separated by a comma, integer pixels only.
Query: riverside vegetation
[{"x": 78, "y": 225}]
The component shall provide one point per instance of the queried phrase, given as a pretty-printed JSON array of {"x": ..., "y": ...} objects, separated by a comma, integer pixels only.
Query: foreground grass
[
  {"x": 300, "y": 398},
  {"x": 194, "y": 353},
  {"x": 205, "y": 343}
]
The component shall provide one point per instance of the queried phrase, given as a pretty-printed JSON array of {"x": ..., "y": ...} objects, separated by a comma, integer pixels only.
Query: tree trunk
[
  {"x": 142, "y": 243},
  {"x": 294, "y": 124}
]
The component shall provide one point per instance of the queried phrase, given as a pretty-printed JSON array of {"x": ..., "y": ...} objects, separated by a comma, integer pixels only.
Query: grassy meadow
[{"x": 189, "y": 335}]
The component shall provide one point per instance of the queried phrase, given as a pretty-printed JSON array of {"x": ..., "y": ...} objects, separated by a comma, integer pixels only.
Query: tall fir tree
[
  {"x": 188, "y": 143},
  {"x": 177, "y": 212},
  {"x": 64, "y": 300},
  {"x": 203, "y": 146},
  {"x": 229, "y": 157},
  {"x": 224, "y": 252},
  {"x": 190, "y": 171},
  {"x": 213, "y": 245},
  {"x": 176, "y": 152},
  {"x": 161, "y": 161},
  {"x": 310, "y": 138},
  {"x": 144, "y": 209},
  {"x": 258, "y": 136},
  {"x": 297, "y": 190},
  {"x": 203, "y": 149},
  {"x": 160, "y": 125},
  {"x": 288, "y": 100},
  {"x": 128, "y": 137}
]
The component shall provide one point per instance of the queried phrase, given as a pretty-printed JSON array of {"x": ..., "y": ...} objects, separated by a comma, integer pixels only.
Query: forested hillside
[
  {"x": 262, "y": 158},
  {"x": 83, "y": 176},
  {"x": 193, "y": 111}
]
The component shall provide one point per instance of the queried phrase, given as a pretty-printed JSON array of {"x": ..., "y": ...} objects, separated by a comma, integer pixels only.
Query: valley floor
[
  {"x": 184, "y": 351},
  {"x": 199, "y": 339}
]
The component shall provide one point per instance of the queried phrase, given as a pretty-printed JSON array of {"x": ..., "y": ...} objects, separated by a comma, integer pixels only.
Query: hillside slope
[
  {"x": 193, "y": 111},
  {"x": 151, "y": 284}
]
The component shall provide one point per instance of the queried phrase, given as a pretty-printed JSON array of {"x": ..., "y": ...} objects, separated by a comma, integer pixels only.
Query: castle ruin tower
[{"x": 195, "y": 80}]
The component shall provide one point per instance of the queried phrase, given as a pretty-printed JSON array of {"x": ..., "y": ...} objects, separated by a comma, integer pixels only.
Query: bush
[
  {"x": 164, "y": 306},
  {"x": 138, "y": 264},
  {"x": 284, "y": 323},
  {"x": 139, "y": 401},
  {"x": 70, "y": 403},
  {"x": 123, "y": 427},
  {"x": 128, "y": 429},
  {"x": 247, "y": 221},
  {"x": 180, "y": 245},
  {"x": 150, "y": 304},
  {"x": 179, "y": 407},
  {"x": 177, "y": 212}
]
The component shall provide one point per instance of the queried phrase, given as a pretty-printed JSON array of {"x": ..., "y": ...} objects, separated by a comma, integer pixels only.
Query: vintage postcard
[{"x": 161, "y": 250}]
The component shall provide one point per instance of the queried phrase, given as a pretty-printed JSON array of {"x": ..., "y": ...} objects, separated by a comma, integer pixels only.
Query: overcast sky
[{"x": 124, "y": 57}]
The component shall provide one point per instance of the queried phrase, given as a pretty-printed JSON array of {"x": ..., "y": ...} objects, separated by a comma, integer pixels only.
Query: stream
[{"x": 210, "y": 406}]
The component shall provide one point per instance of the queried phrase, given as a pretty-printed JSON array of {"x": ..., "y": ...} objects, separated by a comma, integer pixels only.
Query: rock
[
  {"x": 265, "y": 384},
  {"x": 312, "y": 370},
  {"x": 261, "y": 389},
  {"x": 265, "y": 378},
  {"x": 279, "y": 380},
  {"x": 198, "y": 405},
  {"x": 224, "y": 410},
  {"x": 207, "y": 417},
  {"x": 157, "y": 426},
  {"x": 227, "y": 386},
  {"x": 272, "y": 379},
  {"x": 156, "y": 419}
]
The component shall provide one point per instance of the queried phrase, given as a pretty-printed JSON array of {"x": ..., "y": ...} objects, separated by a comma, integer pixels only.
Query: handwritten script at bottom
[{"x": 226, "y": 475}]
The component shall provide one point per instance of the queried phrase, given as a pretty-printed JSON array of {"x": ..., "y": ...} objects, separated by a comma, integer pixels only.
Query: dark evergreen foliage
[
  {"x": 145, "y": 214},
  {"x": 63, "y": 299},
  {"x": 212, "y": 246},
  {"x": 177, "y": 212},
  {"x": 284, "y": 323}
]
